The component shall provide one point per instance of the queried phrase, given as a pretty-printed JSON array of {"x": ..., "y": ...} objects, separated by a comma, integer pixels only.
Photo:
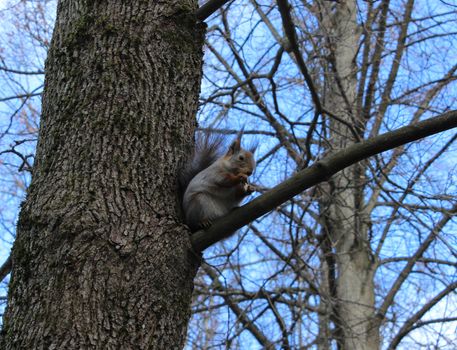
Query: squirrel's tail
[{"x": 208, "y": 148}]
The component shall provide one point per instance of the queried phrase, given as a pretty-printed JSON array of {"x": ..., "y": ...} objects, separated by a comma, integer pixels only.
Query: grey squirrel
[{"x": 214, "y": 184}]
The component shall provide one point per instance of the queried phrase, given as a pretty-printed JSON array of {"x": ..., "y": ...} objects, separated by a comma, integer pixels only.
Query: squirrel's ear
[
  {"x": 234, "y": 147},
  {"x": 253, "y": 147}
]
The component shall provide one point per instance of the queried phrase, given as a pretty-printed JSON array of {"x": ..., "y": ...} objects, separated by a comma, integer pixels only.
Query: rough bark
[{"x": 101, "y": 258}]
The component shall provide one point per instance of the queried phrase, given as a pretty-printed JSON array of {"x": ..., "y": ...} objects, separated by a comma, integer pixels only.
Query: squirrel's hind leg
[
  {"x": 209, "y": 209},
  {"x": 202, "y": 209}
]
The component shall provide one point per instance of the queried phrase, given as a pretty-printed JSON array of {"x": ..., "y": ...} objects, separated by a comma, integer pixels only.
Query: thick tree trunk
[
  {"x": 101, "y": 258},
  {"x": 348, "y": 250}
]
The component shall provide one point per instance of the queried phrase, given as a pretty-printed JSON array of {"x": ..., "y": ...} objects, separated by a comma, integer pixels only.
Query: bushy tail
[{"x": 208, "y": 148}]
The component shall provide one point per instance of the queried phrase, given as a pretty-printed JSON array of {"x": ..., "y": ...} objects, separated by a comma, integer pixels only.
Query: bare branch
[
  {"x": 5, "y": 269},
  {"x": 284, "y": 9},
  {"x": 209, "y": 8},
  {"x": 409, "y": 325},
  {"x": 15, "y": 71},
  {"x": 241, "y": 314},
  {"x": 409, "y": 266},
  {"x": 317, "y": 173},
  {"x": 379, "y": 47}
]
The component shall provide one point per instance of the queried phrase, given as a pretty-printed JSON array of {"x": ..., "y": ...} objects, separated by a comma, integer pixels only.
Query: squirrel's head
[{"x": 240, "y": 160}]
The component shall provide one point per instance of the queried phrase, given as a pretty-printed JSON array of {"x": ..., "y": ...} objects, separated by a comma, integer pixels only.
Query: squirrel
[{"x": 214, "y": 184}]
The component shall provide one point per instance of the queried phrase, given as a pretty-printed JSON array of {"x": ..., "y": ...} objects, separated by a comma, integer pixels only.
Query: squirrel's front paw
[
  {"x": 248, "y": 188},
  {"x": 242, "y": 178}
]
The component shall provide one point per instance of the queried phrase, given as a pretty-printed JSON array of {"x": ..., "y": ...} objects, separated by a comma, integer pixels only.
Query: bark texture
[{"x": 101, "y": 258}]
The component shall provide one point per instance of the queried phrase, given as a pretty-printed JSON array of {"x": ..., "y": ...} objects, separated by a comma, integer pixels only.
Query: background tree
[
  {"x": 367, "y": 259},
  {"x": 363, "y": 260}
]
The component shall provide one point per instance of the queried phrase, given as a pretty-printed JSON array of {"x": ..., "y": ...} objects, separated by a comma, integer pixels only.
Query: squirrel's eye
[{"x": 241, "y": 157}]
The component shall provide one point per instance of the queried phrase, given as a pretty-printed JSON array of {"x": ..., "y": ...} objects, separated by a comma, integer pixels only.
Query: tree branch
[
  {"x": 318, "y": 172},
  {"x": 389, "y": 298},
  {"x": 5, "y": 269},
  {"x": 240, "y": 314},
  {"x": 409, "y": 325},
  {"x": 208, "y": 8},
  {"x": 289, "y": 30}
]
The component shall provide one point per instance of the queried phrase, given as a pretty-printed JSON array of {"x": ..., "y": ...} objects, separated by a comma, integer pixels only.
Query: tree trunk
[
  {"x": 101, "y": 258},
  {"x": 345, "y": 223}
]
